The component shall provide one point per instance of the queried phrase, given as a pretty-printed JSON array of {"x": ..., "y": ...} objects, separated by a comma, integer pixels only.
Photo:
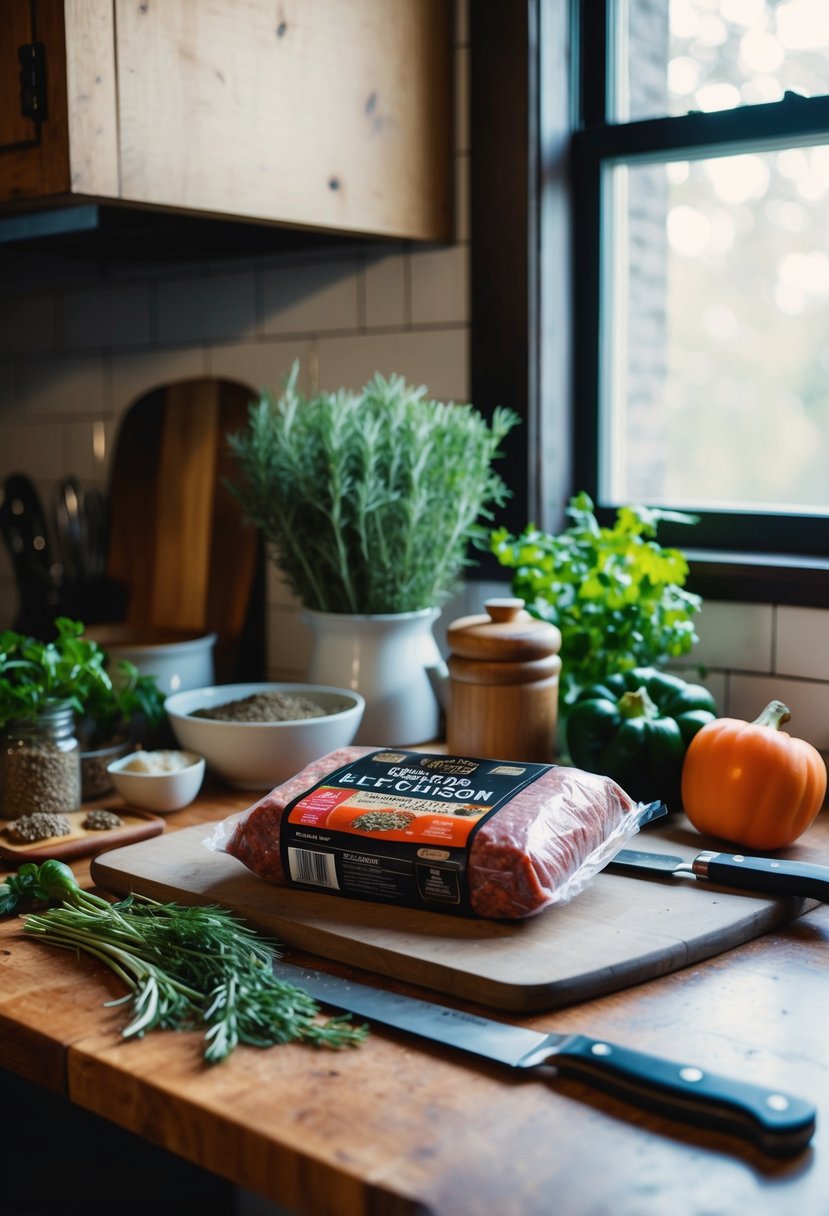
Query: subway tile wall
[{"x": 80, "y": 342}]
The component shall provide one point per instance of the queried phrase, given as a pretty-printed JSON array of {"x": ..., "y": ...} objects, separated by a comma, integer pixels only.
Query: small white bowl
[
  {"x": 160, "y": 792},
  {"x": 261, "y": 755}
]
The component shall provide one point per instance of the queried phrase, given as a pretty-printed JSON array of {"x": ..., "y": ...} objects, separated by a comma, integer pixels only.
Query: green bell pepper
[{"x": 635, "y": 727}]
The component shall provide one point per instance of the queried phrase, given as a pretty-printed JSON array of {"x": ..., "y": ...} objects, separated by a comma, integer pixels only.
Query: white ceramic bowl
[
  {"x": 160, "y": 792},
  {"x": 178, "y": 658},
  {"x": 260, "y": 755}
]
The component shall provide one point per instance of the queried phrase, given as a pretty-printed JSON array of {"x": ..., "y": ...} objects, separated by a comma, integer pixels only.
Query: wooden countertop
[{"x": 398, "y": 1126}]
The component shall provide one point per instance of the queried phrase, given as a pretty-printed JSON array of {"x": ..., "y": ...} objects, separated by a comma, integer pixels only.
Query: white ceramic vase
[{"x": 385, "y": 657}]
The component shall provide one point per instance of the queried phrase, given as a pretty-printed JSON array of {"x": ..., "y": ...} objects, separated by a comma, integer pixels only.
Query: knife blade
[
  {"x": 778, "y": 1123},
  {"x": 766, "y": 874}
]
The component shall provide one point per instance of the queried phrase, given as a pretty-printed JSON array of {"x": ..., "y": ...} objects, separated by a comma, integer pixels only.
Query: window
[
  {"x": 702, "y": 211},
  {"x": 650, "y": 270}
]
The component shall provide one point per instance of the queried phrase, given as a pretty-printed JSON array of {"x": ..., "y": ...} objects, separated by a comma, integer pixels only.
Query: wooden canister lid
[{"x": 506, "y": 633}]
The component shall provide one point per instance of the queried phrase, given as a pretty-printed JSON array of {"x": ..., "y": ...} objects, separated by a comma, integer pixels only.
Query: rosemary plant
[{"x": 370, "y": 499}]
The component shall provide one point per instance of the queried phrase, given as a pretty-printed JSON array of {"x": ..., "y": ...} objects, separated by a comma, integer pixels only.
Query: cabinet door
[
  {"x": 318, "y": 113},
  {"x": 34, "y": 155}
]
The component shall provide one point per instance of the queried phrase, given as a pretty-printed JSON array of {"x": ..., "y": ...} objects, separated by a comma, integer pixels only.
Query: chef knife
[
  {"x": 778, "y": 1123},
  {"x": 766, "y": 874}
]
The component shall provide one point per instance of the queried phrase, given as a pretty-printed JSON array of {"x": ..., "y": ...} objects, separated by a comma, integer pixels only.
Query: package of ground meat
[{"x": 488, "y": 838}]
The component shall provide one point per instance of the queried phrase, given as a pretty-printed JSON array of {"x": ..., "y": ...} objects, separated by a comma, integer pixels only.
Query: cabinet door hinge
[{"x": 32, "y": 56}]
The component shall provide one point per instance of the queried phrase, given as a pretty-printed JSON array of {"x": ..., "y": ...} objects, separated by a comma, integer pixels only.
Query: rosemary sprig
[
  {"x": 370, "y": 498},
  {"x": 186, "y": 968}
]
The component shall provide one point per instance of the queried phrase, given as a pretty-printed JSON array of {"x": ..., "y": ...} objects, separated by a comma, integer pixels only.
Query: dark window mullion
[
  {"x": 746, "y": 126},
  {"x": 591, "y": 26}
]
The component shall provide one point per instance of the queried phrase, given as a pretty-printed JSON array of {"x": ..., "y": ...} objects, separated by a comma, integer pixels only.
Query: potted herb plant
[
  {"x": 370, "y": 501},
  {"x": 617, "y": 596},
  {"x": 58, "y": 700}
]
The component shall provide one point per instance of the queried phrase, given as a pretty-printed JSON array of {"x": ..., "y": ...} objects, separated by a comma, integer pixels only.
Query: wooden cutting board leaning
[{"x": 618, "y": 932}]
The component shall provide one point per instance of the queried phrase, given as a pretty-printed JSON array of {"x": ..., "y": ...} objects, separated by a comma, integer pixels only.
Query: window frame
[{"x": 537, "y": 103}]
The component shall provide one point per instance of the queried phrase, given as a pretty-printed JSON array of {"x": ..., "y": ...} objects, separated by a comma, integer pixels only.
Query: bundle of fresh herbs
[
  {"x": 370, "y": 498},
  {"x": 186, "y": 967},
  {"x": 70, "y": 668},
  {"x": 34, "y": 673},
  {"x": 615, "y": 593}
]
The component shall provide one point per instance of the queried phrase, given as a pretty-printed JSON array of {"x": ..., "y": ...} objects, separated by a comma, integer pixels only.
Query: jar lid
[{"x": 506, "y": 633}]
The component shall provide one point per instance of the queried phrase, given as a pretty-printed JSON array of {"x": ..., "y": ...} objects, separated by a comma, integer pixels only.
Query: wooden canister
[{"x": 503, "y": 684}]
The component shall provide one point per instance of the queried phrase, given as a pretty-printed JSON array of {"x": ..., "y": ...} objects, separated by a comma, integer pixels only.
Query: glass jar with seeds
[{"x": 40, "y": 766}]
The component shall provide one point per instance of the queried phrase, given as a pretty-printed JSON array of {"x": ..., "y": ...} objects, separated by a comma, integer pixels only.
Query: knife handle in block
[
  {"x": 779, "y": 1123},
  {"x": 764, "y": 874}
]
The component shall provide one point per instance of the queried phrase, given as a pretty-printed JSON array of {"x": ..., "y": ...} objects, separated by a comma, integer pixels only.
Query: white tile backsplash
[
  {"x": 289, "y": 645},
  {"x": 37, "y": 449},
  {"x": 105, "y": 316},
  {"x": 87, "y": 446},
  {"x": 803, "y": 642},
  {"x": 261, "y": 365},
  {"x": 279, "y": 593},
  {"x": 311, "y": 297},
  {"x": 735, "y": 636},
  {"x": 60, "y": 388},
  {"x": 207, "y": 308},
  {"x": 440, "y": 286},
  {"x": 385, "y": 292},
  {"x": 437, "y": 358},
  {"x": 27, "y": 323},
  {"x": 807, "y": 701},
  {"x": 8, "y": 389},
  {"x": 134, "y": 375}
]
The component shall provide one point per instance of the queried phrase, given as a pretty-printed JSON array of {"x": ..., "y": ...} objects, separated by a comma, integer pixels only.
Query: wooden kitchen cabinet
[{"x": 333, "y": 115}]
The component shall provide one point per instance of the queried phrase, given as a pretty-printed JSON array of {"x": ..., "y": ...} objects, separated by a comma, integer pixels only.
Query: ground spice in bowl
[{"x": 264, "y": 707}]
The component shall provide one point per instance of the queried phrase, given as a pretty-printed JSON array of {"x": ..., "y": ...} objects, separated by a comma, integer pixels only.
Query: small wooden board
[
  {"x": 618, "y": 932},
  {"x": 81, "y": 841}
]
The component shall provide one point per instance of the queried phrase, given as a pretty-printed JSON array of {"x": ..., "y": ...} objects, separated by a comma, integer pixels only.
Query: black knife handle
[
  {"x": 766, "y": 874},
  {"x": 777, "y": 1122}
]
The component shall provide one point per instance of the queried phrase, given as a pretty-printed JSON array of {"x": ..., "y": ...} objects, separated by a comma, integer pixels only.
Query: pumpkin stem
[
  {"x": 638, "y": 704},
  {"x": 773, "y": 716}
]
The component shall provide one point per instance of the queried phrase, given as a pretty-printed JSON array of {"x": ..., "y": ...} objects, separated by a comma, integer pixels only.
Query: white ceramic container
[
  {"x": 178, "y": 659},
  {"x": 386, "y": 658},
  {"x": 160, "y": 792},
  {"x": 261, "y": 755}
]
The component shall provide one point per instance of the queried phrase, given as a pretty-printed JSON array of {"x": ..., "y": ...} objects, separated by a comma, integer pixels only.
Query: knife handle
[
  {"x": 777, "y": 1122},
  {"x": 766, "y": 874}
]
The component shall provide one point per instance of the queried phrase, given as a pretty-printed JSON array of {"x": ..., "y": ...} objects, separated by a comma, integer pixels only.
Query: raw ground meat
[{"x": 519, "y": 858}]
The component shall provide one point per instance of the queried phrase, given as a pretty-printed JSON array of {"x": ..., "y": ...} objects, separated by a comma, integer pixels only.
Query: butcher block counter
[{"x": 401, "y": 1126}]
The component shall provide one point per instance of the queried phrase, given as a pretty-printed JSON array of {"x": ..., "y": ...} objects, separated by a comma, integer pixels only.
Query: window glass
[
  {"x": 714, "y": 375},
  {"x": 675, "y": 56}
]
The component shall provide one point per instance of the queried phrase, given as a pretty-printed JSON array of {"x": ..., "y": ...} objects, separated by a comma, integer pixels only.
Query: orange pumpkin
[{"x": 750, "y": 782}]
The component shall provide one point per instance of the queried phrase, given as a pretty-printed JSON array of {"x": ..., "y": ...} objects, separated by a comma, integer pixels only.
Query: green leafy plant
[
  {"x": 616, "y": 595},
  {"x": 185, "y": 968},
  {"x": 372, "y": 498},
  {"x": 73, "y": 670},
  {"x": 108, "y": 714}
]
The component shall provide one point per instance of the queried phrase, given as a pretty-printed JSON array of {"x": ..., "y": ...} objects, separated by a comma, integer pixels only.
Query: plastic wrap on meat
[{"x": 539, "y": 848}]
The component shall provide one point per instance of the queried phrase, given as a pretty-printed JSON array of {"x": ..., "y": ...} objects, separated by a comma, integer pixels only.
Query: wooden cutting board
[
  {"x": 178, "y": 541},
  {"x": 619, "y": 931},
  {"x": 81, "y": 841}
]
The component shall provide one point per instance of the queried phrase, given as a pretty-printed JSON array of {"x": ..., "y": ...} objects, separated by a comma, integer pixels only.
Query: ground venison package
[{"x": 454, "y": 834}]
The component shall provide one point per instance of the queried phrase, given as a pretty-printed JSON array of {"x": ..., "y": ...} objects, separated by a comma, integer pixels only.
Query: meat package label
[{"x": 397, "y": 826}]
